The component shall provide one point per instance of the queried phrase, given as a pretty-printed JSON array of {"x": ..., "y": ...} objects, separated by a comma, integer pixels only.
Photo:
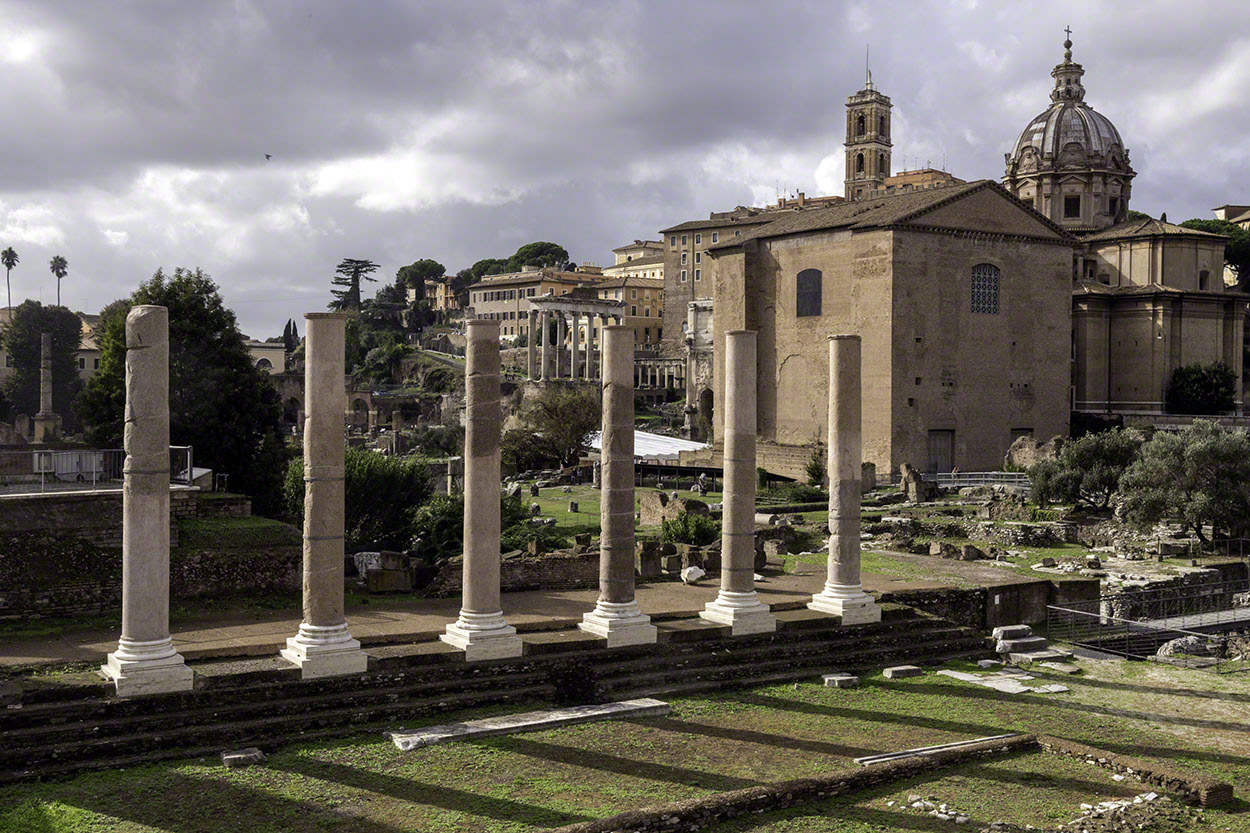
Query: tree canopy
[
  {"x": 414, "y": 275},
  {"x": 1088, "y": 469},
  {"x": 219, "y": 402},
  {"x": 1236, "y": 248},
  {"x": 539, "y": 253},
  {"x": 23, "y": 341},
  {"x": 1201, "y": 389},
  {"x": 348, "y": 275},
  {"x": 1198, "y": 475},
  {"x": 9, "y": 259},
  {"x": 564, "y": 418}
]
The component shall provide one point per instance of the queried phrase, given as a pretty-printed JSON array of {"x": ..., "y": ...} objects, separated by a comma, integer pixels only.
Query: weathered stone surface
[
  {"x": 242, "y": 757},
  {"x": 840, "y": 680},
  {"x": 535, "y": 721},
  {"x": 388, "y": 581},
  {"x": 917, "y": 489},
  {"x": 1026, "y": 451},
  {"x": 658, "y": 507},
  {"x": 899, "y": 672}
]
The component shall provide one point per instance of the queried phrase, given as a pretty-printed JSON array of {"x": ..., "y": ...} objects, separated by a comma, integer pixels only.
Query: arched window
[
  {"x": 985, "y": 288},
  {"x": 264, "y": 364},
  {"x": 881, "y": 125},
  {"x": 859, "y": 163},
  {"x": 881, "y": 165},
  {"x": 807, "y": 293},
  {"x": 859, "y": 125}
]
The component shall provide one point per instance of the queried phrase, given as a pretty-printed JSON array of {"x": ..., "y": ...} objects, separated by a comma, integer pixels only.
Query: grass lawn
[
  {"x": 555, "y": 504},
  {"x": 711, "y": 743}
]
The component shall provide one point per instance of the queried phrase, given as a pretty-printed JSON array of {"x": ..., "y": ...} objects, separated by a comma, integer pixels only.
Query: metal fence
[
  {"x": 1141, "y": 640},
  {"x": 75, "y": 469},
  {"x": 1209, "y": 605},
  {"x": 959, "y": 479}
]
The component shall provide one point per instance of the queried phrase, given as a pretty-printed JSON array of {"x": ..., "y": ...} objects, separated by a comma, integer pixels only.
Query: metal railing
[
  {"x": 79, "y": 469},
  {"x": 1220, "y": 653},
  {"x": 959, "y": 479},
  {"x": 1209, "y": 605}
]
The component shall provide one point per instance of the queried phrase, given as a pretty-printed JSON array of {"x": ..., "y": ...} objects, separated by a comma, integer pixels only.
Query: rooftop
[{"x": 1148, "y": 227}]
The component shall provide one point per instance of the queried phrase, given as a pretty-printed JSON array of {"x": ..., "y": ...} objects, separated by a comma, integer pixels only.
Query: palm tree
[
  {"x": 9, "y": 258},
  {"x": 59, "y": 267}
]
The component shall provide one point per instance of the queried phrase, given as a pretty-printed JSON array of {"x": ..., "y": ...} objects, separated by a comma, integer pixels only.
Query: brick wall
[
  {"x": 557, "y": 571},
  {"x": 90, "y": 516}
]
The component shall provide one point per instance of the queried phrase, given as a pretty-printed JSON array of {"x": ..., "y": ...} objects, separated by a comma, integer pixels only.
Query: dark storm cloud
[{"x": 136, "y": 132}]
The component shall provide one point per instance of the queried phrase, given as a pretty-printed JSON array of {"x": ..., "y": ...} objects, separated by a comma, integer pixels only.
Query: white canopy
[{"x": 654, "y": 446}]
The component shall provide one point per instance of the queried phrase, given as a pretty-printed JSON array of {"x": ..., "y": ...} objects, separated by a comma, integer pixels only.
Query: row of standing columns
[
  {"x": 655, "y": 375},
  {"x": 544, "y": 360},
  {"x": 147, "y": 662}
]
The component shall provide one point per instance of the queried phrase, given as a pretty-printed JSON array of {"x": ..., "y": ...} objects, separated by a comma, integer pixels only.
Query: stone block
[
  {"x": 647, "y": 564},
  {"x": 899, "y": 672},
  {"x": 672, "y": 563},
  {"x": 582, "y": 539},
  {"x": 242, "y": 757},
  {"x": 390, "y": 560},
  {"x": 711, "y": 560},
  {"x": 989, "y": 663},
  {"x": 1012, "y": 632},
  {"x": 1026, "y": 644},
  {"x": 533, "y": 490},
  {"x": 535, "y": 509},
  {"x": 573, "y": 506},
  {"x": 388, "y": 581},
  {"x": 840, "y": 680}
]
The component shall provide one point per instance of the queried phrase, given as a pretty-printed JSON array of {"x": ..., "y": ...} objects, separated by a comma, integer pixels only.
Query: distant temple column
[
  {"x": 145, "y": 661},
  {"x": 562, "y": 338},
  {"x": 324, "y": 647},
  {"x": 590, "y": 347},
  {"x": 543, "y": 330},
  {"x": 737, "y": 604},
  {"x": 843, "y": 594},
  {"x": 481, "y": 631},
  {"x": 531, "y": 347},
  {"x": 47, "y": 424},
  {"x": 574, "y": 356},
  {"x": 616, "y": 617}
]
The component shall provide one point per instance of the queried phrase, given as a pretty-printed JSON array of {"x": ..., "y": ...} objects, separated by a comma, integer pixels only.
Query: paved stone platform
[{"x": 535, "y": 721}]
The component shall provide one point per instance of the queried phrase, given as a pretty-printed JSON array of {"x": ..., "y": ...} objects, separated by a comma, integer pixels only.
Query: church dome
[{"x": 1068, "y": 122}]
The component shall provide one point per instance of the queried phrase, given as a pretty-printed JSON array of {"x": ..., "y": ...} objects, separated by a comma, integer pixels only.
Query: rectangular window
[
  {"x": 672, "y": 241},
  {"x": 807, "y": 293},
  {"x": 633, "y": 311},
  {"x": 698, "y": 274},
  {"x": 646, "y": 312},
  {"x": 1113, "y": 205},
  {"x": 698, "y": 238},
  {"x": 683, "y": 280},
  {"x": 683, "y": 240},
  {"x": 985, "y": 288},
  {"x": 715, "y": 236},
  {"x": 633, "y": 294},
  {"x": 683, "y": 258},
  {"x": 1071, "y": 208},
  {"x": 698, "y": 257},
  {"x": 97, "y": 364},
  {"x": 82, "y": 364}
]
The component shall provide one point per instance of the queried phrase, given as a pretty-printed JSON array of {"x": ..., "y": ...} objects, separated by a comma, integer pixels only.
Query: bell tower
[{"x": 867, "y": 141}]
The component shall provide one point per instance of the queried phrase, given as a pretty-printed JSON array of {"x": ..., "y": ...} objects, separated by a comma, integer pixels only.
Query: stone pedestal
[
  {"x": 737, "y": 604},
  {"x": 324, "y": 647},
  {"x": 616, "y": 617},
  {"x": 843, "y": 594},
  {"x": 481, "y": 631},
  {"x": 145, "y": 661}
]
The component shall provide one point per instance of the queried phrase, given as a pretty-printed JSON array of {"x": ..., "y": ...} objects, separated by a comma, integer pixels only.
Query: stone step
[
  {"x": 1012, "y": 632},
  {"x": 1048, "y": 655},
  {"x": 1021, "y": 646},
  {"x": 535, "y": 721}
]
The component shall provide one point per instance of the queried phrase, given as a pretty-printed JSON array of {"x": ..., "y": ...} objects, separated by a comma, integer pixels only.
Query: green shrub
[
  {"x": 816, "y": 468},
  {"x": 798, "y": 493},
  {"x": 380, "y": 494},
  {"x": 439, "y": 524},
  {"x": 1087, "y": 471},
  {"x": 519, "y": 536},
  {"x": 686, "y": 528},
  {"x": 1201, "y": 389}
]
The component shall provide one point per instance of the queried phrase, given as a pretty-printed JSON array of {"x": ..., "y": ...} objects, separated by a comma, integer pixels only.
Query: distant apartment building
[
  {"x": 644, "y": 306},
  {"x": 88, "y": 355},
  {"x": 506, "y": 298},
  {"x": 438, "y": 295},
  {"x": 269, "y": 356}
]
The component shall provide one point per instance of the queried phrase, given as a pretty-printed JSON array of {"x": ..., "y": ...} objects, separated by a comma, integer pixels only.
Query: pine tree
[{"x": 348, "y": 274}]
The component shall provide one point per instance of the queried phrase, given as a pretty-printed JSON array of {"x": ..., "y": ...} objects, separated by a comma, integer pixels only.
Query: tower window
[
  {"x": 859, "y": 163},
  {"x": 985, "y": 288},
  {"x": 881, "y": 125},
  {"x": 807, "y": 288},
  {"x": 881, "y": 165},
  {"x": 1071, "y": 208},
  {"x": 859, "y": 125},
  {"x": 1113, "y": 205}
]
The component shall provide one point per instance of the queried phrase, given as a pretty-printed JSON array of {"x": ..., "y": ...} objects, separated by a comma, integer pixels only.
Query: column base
[
  {"x": 620, "y": 623},
  {"x": 483, "y": 636},
  {"x": 852, "y": 604},
  {"x": 321, "y": 651},
  {"x": 743, "y": 612},
  {"x": 138, "y": 668}
]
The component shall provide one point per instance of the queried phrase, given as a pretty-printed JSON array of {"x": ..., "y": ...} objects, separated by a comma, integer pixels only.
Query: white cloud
[
  {"x": 35, "y": 223},
  {"x": 115, "y": 238}
]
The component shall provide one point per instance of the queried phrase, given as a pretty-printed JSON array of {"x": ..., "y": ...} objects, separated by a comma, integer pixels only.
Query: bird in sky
[{"x": 267, "y": 157}]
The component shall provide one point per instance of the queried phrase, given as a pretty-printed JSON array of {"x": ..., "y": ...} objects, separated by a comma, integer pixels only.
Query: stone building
[
  {"x": 438, "y": 295},
  {"x": 961, "y": 295},
  {"x": 506, "y": 298},
  {"x": 1148, "y": 296},
  {"x": 644, "y": 305}
]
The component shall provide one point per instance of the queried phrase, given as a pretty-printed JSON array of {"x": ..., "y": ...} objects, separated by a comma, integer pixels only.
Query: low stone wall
[
  {"x": 1196, "y": 592},
  {"x": 1196, "y": 789},
  {"x": 95, "y": 517},
  {"x": 210, "y": 505},
  {"x": 964, "y": 607},
  {"x": 983, "y": 608},
  {"x": 701, "y": 813},
  {"x": 224, "y": 572},
  {"x": 556, "y": 571}
]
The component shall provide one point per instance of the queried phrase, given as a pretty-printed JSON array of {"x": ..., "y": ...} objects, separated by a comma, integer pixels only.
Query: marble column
[
  {"x": 324, "y": 647},
  {"x": 47, "y": 425},
  {"x": 531, "y": 342},
  {"x": 481, "y": 631},
  {"x": 616, "y": 617},
  {"x": 843, "y": 594},
  {"x": 574, "y": 356},
  {"x": 590, "y": 348},
  {"x": 737, "y": 604},
  {"x": 145, "y": 661},
  {"x": 543, "y": 325},
  {"x": 562, "y": 338}
]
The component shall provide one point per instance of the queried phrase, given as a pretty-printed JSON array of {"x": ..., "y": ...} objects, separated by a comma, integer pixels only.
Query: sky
[{"x": 135, "y": 134}]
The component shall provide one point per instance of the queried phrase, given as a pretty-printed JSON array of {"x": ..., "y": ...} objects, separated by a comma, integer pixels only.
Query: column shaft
[
  {"x": 616, "y": 616},
  {"x": 843, "y": 594},
  {"x": 531, "y": 348},
  {"x": 562, "y": 334},
  {"x": 145, "y": 661},
  {"x": 574, "y": 355},
  {"x": 545, "y": 373},
  {"x": 737, "y": 604},
  {"x": 324, "y": 647},
  {"x": 481, "y": 631}
]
